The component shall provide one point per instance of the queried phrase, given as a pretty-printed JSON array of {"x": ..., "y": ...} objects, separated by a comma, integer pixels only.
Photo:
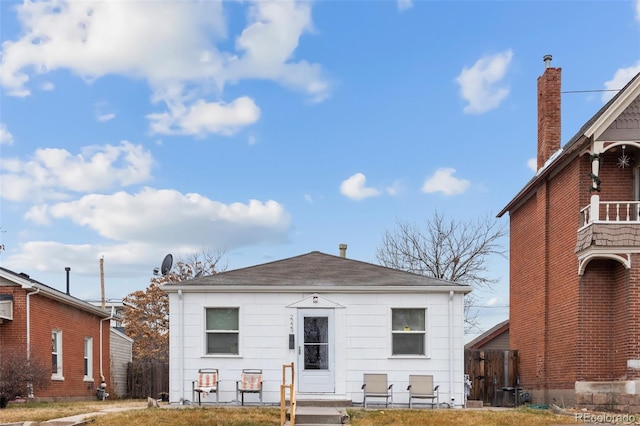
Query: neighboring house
[
  {"x": 121, "y": 355},
  {"x": 497, "y": 337},
  {"x": 66, "y": 334},
  {"x": 575, "y": 256},
  {"x": 333, "y": 317}
]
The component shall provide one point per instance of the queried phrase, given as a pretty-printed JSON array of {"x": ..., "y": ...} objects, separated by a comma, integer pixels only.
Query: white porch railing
[{"x": 613, "y": 211}]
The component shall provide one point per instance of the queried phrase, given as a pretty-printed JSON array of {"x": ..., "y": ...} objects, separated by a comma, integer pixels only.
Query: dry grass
[
  {"x": 256, "y": 416},
  {"x": 487, "y": 417},
  {"x": 193, "y": 416},
  {"x": 43, "y": 411}
]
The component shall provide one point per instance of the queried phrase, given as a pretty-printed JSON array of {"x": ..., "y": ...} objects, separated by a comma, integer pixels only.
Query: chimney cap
[
  {"x": 547, "y": 60},
  {"x": 67, "y": 268}
]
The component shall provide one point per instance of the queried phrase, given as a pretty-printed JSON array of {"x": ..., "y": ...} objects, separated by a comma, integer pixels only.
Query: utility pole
[{"x": 102, "y": 279}]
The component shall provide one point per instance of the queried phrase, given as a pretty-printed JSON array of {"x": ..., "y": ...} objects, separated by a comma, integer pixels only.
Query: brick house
[
  {"x": 57, "y": 329},
  {"x": 575, "y": 257}
]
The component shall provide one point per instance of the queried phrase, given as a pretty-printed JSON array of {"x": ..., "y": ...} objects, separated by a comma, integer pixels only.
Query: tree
[
  {"x": 451, "y": 250},
  {"x": 20, "y": 376},
  {"x": 146, "y": 313}
]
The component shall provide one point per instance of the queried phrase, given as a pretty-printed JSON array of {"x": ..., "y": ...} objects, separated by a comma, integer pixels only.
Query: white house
[{"x": 334, "y": 318}]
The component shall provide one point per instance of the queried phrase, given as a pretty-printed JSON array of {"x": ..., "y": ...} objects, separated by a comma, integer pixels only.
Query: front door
[{"x": 316, "y": 365}]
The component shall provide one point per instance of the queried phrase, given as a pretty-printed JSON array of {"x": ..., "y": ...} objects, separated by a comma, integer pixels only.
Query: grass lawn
[{"x": 236, "y": 416}]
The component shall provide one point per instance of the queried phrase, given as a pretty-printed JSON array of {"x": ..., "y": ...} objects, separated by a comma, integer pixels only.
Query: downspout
[
  {"x": 101, "y": 321},
  {"x": 180, "y": 296},
  {"x": 451, "y": 342}
]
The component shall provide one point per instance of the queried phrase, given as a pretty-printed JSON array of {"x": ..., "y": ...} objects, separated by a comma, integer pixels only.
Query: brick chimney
[{"x": 548, "y": 112}]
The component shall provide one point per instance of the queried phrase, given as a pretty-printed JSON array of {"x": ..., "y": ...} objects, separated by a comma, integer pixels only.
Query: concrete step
[
  {"x": 320, "y": 415},
  {"x": 324, "y": 402}
]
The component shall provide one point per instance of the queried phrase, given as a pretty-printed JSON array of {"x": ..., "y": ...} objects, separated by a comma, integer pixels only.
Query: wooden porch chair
[
  {"x": 207, "y": 383},
  {"x": 250, "y": 382},
  {"x": 421, "y": 387},
  {"x": 376, "y": 386}
]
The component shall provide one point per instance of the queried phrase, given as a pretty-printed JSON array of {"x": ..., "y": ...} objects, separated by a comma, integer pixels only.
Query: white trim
[
  {"x": 59, "y": 374},
  {"x": 583, "y": 261},
  {"x": 613, "y": 112},
  {"x": 417, "y": 289}
]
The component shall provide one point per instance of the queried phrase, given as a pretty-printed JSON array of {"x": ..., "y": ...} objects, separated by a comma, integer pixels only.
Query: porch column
[{"x": 594, "y": 213}]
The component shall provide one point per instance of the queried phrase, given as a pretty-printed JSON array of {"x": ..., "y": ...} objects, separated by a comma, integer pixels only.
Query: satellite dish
[
  {"x": 197, "y": 275},
  {"x": 167, "y": 263}
]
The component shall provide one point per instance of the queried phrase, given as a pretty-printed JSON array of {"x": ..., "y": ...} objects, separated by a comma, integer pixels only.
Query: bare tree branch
[{"x": 450, "y": 250}]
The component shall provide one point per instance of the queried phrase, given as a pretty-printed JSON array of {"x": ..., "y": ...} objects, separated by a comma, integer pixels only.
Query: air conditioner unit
[{"x": 6, "y": 307}]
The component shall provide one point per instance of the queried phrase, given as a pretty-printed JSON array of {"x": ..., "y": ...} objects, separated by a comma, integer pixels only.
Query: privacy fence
[
  {"x": 146, "y": 379},
  {"x": 493, "y": 374}
]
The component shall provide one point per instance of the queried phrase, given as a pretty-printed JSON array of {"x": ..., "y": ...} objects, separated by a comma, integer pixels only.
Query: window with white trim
[
  {"x": 56, "y": 354},
  {"x": 88, "y": 358},
  {"x": 408, "y": 331},
  {"x": 222, "y": 331}
]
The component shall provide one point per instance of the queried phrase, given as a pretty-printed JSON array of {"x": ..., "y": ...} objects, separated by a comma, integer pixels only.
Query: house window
[
  {"x": 222, "y": 331},
  {"x": 88, "y": 357},
  {"x": 408, "y": 331},
  {"x": 56, "y": 354}
]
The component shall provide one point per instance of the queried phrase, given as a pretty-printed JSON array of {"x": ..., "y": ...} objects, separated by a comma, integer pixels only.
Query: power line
[{"x": 591, "y": 91}]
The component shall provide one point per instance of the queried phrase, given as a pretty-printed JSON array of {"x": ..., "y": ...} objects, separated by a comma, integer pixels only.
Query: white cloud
[
  {"x": 482, "y": 86},
  {"x": 48, "y": 86},
  {"x": 621, "y": 77},
  {"x": 203, "y": 117},
  {"x": 638, "y": 10},
  {"x": 53, "y": 173},
  {"x": 444, "y": 181},
  {"x": 5, "y": 136},
  {"x": 395, "y": 188},
  {"x": 355, "y": 188},
  {"x": 193, "y": 220},
  {"x": 308, "y": 198},
  {"x": 532, "y": 163},
  {"x": 404, "y": 5},
  {"x": 172, "y": 45},
  {"x": 105, "y": 117}
]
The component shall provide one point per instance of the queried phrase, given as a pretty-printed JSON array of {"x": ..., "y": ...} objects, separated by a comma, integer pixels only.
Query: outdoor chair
[
  {"x": 375, "y": 386},
  {"x": 251, "y": 382},
  {"x": 207, "y": 383},
  {"x": 421, "y": 387}
]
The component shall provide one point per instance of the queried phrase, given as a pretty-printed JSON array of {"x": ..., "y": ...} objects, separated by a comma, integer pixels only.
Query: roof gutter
[{"x": 315, "y": 289}]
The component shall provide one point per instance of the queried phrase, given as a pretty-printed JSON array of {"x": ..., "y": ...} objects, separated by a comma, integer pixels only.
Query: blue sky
[{"x": 133, "y": 129}]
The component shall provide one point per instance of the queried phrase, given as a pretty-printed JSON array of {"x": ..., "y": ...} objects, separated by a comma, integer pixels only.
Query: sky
[{"x": 266, "y": 130}]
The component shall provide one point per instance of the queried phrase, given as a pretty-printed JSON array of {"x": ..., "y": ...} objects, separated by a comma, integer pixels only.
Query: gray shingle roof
[{"x": 321, "y": 270}]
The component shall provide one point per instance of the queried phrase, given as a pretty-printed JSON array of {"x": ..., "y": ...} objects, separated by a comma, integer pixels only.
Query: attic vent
[{"x": 6, "y": 307}]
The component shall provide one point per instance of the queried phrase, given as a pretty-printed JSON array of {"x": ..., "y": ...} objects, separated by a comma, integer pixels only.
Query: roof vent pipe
[
  {"x": 547, "y": 61},
  {"x": 67, "y": 269},
  {"x": 343, "y": 250}
]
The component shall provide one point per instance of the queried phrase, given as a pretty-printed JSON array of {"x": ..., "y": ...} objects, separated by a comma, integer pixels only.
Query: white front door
[{"x": 316, "y": 365}]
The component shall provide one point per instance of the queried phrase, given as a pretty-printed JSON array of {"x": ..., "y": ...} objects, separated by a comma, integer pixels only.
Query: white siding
[
  {"x": 362, "y": 342},
  {"x": 121, "y": 348}
]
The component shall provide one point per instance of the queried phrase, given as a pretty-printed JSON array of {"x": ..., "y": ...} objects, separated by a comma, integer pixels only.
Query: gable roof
[
  {"x": 591, "y": 130},
  {"x": 316, "y": 270},
  {"x": 488, "y": 335},
  {"x": 26, "y": 282}
]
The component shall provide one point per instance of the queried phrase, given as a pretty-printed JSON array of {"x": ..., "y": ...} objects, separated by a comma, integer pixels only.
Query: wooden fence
[
  {"x": 145, "y": 379},
  {"x": 491, "y": 371}
]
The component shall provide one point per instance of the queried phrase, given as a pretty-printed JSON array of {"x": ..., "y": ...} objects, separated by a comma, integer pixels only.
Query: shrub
[{"x": 20, "y": 376}]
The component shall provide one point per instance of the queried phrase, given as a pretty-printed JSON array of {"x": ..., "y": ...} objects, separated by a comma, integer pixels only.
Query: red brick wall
[
  {"x": 562, "y": 328},
  {"x": 527, "y": 295},
  {"x": 597, "y": 321},
  {"x": 567, "y": 327},
  {"x": 13, "y": 334},
  {"x": 75, "y": 324}
]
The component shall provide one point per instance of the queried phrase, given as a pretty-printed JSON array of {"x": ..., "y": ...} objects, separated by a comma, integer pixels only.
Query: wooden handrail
[{"x": 292, "y": 396}]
